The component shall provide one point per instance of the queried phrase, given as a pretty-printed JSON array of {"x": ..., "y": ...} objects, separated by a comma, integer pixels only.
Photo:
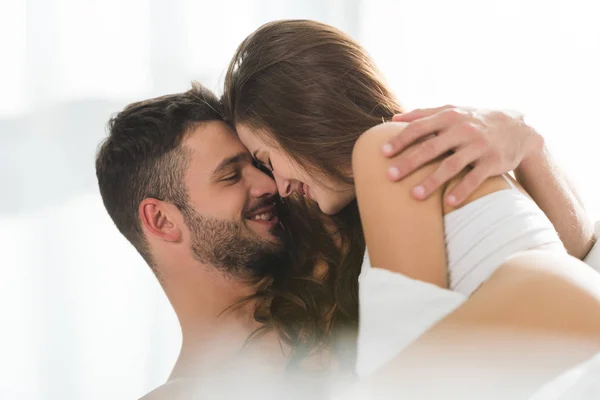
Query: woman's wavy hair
[{"x": 312, "y": 90}]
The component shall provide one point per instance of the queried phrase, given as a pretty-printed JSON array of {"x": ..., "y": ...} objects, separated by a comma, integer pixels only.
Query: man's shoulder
[{"x": 175, "y": 389}]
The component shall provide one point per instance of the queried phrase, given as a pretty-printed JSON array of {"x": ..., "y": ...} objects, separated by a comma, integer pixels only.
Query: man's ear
[{"x": 160, "y": 219}]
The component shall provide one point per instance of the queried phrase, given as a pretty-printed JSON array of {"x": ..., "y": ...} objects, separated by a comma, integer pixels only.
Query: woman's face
[{"x": 331, "y": 196}]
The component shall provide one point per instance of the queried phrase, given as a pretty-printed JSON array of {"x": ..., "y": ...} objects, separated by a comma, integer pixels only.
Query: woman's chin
[
  {"x": 332, "y": 208},
  {"x": 327, "y": 211}
]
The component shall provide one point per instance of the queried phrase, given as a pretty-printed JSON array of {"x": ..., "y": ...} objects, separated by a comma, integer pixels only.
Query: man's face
[{"x": 231, "y": 211}]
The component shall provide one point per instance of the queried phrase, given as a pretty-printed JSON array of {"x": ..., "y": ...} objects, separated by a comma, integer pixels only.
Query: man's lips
[{"x": 263, "y": 214}]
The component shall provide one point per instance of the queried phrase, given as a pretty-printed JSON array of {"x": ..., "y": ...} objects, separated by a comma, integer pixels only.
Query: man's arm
[
  {"x": 494, "y": 142},
  {"x": 554, "y": 194}
]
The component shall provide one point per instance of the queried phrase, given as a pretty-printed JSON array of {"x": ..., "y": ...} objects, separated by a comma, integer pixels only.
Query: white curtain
[{"x": 82, "y": 316}]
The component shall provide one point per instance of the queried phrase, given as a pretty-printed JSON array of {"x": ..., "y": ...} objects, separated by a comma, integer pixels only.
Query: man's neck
[
  {"x": 213, "y": 322},
  {"x": 204, "y": 294}
]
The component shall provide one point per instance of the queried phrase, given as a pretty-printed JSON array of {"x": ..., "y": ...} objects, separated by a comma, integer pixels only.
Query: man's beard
[{"x": 232, "y": 248}]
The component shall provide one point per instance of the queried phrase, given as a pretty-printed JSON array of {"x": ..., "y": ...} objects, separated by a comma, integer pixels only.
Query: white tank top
[
  {"x": 483, "y": 234},
  {"x": 395, "y": 310}
]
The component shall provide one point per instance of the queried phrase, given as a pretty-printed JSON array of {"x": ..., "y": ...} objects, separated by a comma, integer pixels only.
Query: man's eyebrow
[{"x": 229, "y": 161}]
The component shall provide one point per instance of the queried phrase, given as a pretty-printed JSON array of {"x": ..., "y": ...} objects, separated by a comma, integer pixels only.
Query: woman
[{"x": 300, "y": 95}]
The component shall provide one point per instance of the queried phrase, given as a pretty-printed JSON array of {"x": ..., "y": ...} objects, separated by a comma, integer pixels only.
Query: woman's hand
[{"x": 492, "y": 142}]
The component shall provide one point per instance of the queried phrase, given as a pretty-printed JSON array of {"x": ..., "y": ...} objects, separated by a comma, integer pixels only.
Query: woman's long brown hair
[{"x": 313, "y": 90}]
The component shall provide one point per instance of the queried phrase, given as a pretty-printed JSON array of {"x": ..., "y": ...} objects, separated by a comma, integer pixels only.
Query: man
[{"x": 186, "y": 193}]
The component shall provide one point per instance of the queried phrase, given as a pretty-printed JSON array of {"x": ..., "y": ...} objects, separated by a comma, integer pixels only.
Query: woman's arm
[
  {"x": 555, "y": 195},
  {"x": 415, "y": 246}
]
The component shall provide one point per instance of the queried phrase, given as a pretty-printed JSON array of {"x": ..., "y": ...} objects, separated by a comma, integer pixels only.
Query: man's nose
[{"x": 262, "y": 185}]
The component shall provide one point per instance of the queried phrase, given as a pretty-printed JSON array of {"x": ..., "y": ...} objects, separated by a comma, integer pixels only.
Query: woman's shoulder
[
  {"x": 369, "y": 146},
  {"x": 367, "y": 157}
]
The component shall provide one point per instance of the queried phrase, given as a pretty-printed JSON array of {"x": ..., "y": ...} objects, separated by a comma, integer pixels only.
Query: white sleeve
[
  {"x": 394, "y": 311},
  {"x": 593, "y": 257}
]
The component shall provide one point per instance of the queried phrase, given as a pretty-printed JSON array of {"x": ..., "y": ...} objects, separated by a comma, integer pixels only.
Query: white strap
[
  {"x": 593, "y": 257},
  {"x": 509, "y": 181}
]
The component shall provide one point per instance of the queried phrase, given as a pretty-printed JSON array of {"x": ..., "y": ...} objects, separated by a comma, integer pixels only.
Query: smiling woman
[
  {"x": 304, "y": 109},
  {"x": 331, "y": 195},
  {"x": 308, "y": 102}
]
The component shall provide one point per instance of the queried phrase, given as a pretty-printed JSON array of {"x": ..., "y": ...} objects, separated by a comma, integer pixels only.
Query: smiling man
[{"x": 182, "y": 188}]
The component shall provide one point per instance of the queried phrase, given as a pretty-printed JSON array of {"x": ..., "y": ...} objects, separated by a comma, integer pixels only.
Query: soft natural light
[
  {"x": 13, "y": 39},
  {"x": 84, "y": 318},
  {"x": 540, "y": 58},
  {"x": 112, "y": 56}
]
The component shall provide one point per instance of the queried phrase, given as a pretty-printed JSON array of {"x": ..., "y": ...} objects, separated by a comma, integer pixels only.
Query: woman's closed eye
[
  {"x": 266, "y": 168},
  {"x": 269, "y": 165}
]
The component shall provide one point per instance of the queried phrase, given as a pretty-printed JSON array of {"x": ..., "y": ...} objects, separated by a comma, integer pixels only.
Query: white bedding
[
  {"x": 579, "y": 383},
  {"x": 396, "y": 310}
]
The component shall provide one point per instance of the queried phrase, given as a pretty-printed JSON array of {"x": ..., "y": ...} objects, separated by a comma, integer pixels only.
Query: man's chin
[
  {"x": 271, "y": 234},
  {"x": 269, "y": 260},
  {"x": 274, "y": 243}
]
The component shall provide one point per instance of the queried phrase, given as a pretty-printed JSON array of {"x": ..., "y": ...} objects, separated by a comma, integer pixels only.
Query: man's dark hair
[{"x": 142, "y": 156}]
